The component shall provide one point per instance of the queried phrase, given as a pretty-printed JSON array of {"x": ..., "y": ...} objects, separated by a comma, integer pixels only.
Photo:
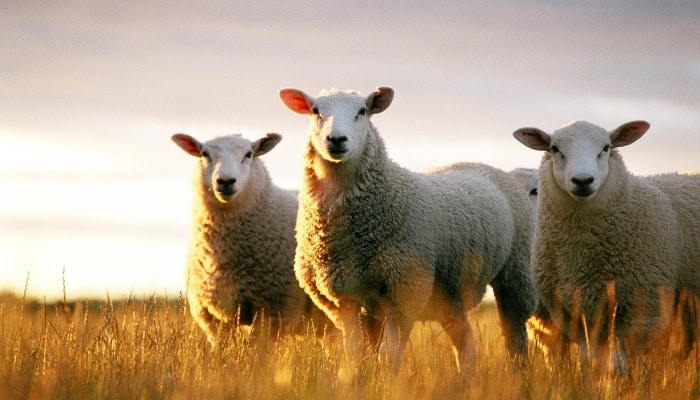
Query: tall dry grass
[{"x": 151, "y": 349}]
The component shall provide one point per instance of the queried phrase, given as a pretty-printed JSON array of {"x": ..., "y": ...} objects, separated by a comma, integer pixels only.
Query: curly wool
[
  {"x": 240, "y": 261},
  {"x": 629, "y": 250},
  {"x": 409, "y": 246},
  {"x": 579, "y": 249},
  {"x": 528, "y": 179}
]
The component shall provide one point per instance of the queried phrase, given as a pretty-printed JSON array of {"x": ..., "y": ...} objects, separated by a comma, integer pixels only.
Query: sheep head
[
  {"x": 528, "y": 179},
  {"x": 580, "y": 153},
  {"x": 340, "y": 121},
  {"x": 225, "y": 162}
]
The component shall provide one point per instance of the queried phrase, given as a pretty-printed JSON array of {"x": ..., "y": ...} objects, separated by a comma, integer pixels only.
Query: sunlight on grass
[{"x": 152, "y": 349}]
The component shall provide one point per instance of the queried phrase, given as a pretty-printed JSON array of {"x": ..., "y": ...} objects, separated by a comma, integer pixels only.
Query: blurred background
[{"x": 90, "y": 93}]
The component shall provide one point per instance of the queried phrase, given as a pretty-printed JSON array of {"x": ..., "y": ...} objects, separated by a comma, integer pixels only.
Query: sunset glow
[{"x": 90, "y": 94}]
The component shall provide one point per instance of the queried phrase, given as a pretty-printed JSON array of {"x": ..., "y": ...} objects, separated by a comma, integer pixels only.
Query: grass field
[{"x": 152, "y": 349}]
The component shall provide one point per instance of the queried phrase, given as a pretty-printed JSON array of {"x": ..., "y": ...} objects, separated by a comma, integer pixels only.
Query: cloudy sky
[{"x": 90, "y": 93}]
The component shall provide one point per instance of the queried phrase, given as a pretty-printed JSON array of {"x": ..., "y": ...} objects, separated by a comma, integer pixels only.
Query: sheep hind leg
[{"x": 463, "y": 341}]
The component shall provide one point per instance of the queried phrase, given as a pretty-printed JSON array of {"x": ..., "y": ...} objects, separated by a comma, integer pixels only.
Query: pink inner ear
[
  {"x": 192, "y": 149},
  {"x": 296, "y": 102},
  {"x": 188, "y": 144}
]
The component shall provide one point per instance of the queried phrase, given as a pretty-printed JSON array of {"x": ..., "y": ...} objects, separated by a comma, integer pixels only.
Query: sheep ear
[
  {"x": 379, "y": 100},
  {"x": 266, "y": 143},
  {"x": 533, "y": 138},
  {"x": 296, "y": 100},
  {"x": 188, "y": 143},
  {"x": 628, "y": 133}
]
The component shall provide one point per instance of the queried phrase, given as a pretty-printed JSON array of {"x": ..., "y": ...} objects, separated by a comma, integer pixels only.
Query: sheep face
[
  {"x": 340, "y": 121},
  {"x": 579, "y": 153},
  {"x": 225, "y": 162},
  {"x": 527, "y": 177}
]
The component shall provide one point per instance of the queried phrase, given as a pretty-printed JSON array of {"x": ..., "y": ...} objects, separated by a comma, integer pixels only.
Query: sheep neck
[
  {"x": 358, "y": 199},
  {"x": 334, "y": 183}
]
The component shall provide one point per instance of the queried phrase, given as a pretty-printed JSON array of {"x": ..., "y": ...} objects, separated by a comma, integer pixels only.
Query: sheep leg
[
  {"x": 513, "y": 314},
  {"x": 463, "y": 341},
  {"x": 350, "y": 326},
  {"x": 209, "y": 324},
  {"x": 550, "y": 339},
  {"x": 688, "y": 308},
  {"x": 394, "y": 340}
]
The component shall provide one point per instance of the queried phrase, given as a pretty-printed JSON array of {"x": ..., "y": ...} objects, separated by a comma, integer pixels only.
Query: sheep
[
  {"x": 528, "y": 179},
  {"x": 241, "y": 254},
  {"x": 609, "y": 245},
  {"x": 539, "y": 326},
  {"x": 388, "y": 246}
]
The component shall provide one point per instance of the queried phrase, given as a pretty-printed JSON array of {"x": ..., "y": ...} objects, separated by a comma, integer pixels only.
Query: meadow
[{"x": 151, "y": 348}]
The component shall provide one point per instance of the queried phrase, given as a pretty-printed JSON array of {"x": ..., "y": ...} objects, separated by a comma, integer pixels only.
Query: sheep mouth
[
  {"x": 582, "y": 194},
  {"x": 225, "y": 195},
  {"x": 336, "y": 152}
]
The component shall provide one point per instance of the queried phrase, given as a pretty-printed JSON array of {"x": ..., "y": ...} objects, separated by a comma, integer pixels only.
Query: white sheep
[
  {"x": 608, "y": 245},
  {"x": 528, "y": 179},
  {"x": 241, "y": 255},
  {"x": 388, "y": 246},
  {"x": 538, "y": 325}
]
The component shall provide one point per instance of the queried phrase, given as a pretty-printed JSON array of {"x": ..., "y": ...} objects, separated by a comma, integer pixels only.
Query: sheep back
[
  {"x": 442, "y": 237},
  {"x": 683, "y": 193}
]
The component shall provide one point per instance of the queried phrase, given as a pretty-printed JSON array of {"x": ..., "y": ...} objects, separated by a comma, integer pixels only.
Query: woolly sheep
[
  {"x": 610, "y": 245},
  {"x": 241, "y": 255},
  {"x": 395, "y": 246},
  {"x": 538, "y": 325},
  {"x": 528, "y": 179}
]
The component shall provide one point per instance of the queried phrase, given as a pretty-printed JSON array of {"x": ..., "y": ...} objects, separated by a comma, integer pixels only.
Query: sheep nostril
[
  {"x": 337, "y": 139},
  {"x": 582, "y": 181},
  {"x": 221, "y": 181},
  {"x": 225, "y": 185}
]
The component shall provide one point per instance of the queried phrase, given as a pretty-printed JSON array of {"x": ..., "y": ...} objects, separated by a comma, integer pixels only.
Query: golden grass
[{"x": 152, "y": 349}]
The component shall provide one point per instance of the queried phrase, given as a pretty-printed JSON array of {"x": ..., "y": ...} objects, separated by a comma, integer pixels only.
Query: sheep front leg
[
  {"x": 394, "y": 341},
  {"x": 207, "y": 322},
  {"x": 350, "y": 327}
]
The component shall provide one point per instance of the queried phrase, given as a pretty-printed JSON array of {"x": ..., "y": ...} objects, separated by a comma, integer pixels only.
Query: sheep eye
[
  {"x": 248, "y": 154},
  {"x": 533, "y": 192},
  {"x": 554, "y": 149},
  {"x": 363, "y": 111},
  {"x": 606, "y": 148},
  {"x": 206, "y": 155},
  {"x": 314, "y": 110}
]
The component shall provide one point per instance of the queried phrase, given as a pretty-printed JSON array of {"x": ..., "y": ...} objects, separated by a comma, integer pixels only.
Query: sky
[{"x": 95, "y": 199}]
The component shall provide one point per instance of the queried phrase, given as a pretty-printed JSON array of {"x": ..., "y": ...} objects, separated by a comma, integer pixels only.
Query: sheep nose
[
  {"x": 582, "y": 181},
  {"x": 225, "y": 185},
  {"x": 336, "y": 140}
]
